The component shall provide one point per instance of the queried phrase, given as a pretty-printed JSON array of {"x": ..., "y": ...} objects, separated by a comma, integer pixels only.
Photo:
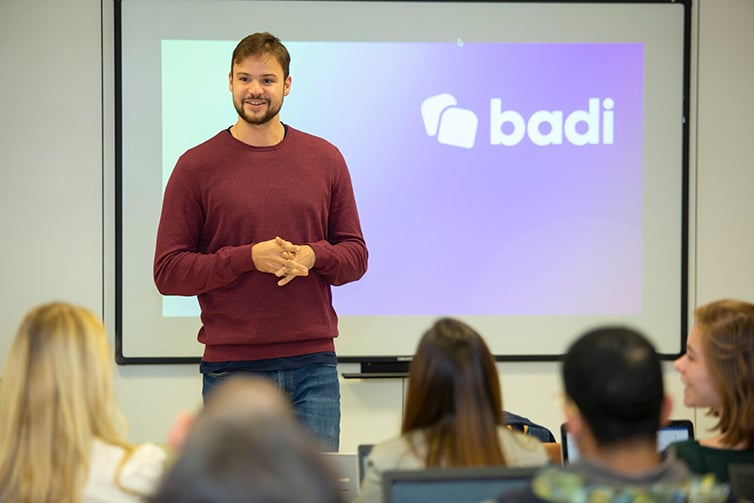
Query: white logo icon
[
  {"x": 452, "y": 125},
  {"x": 457, "y": 126}
]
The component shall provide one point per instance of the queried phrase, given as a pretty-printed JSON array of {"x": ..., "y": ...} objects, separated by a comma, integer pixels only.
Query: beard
[{"x": 268, "y": 115}]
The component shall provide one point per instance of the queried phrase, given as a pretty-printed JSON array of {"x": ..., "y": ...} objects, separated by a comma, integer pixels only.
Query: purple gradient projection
[{"x": 520, "y": 200}]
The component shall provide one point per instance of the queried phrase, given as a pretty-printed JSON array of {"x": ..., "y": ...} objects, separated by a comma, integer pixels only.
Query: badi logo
[
  {"x": 457, "y": 127},
  {"x": 452, "y": 125}
]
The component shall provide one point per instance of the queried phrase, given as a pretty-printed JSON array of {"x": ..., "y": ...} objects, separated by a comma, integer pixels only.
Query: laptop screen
[
  {"x": 453, "y": 485},
  {"x": 675, "y": 431}
]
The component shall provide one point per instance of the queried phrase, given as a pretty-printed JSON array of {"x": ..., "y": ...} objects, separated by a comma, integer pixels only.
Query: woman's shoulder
[
  {"x": 690, "y": 447},
  {"x": 685, "y": 445},
  {"x": 136, "y": 476},
  {"x": 703, "y": 458},
  {"x": 713, "y": 449},
  {"x": 403, "y": 452},
  {"x": 146, "y": 458},
  {"x": 520, "y": 449}
]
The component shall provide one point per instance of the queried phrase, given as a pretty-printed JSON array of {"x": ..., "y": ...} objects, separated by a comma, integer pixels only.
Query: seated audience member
[
  {"x": 246, "y": 446},
  {"x": 615, "y": 404},
  {"x": 59, "y": 425},
  {"x": 717, "y": 371},
  {"x": 453, "y": 413}
]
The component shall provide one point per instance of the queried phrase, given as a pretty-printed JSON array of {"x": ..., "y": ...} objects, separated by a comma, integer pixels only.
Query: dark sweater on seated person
[{"x": 703, "y": 459}]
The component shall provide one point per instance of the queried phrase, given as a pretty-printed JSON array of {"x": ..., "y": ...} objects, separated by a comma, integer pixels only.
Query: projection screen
[{"x": 519, "y": 165}]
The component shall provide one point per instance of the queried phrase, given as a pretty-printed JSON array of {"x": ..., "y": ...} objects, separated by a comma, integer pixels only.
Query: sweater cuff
[
  {"x": 240, "y": 259},
  {"x": 321, "y": 253}
]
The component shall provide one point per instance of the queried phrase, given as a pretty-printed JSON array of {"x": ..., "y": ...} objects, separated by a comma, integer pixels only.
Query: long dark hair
[{"x": 454, "y": 397}]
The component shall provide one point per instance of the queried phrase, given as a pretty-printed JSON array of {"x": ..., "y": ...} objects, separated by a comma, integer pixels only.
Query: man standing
[{"x": 259, "y": 222}]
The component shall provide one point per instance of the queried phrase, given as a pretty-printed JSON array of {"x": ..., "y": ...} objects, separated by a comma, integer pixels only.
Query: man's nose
[{"x": 255, "y": 87}]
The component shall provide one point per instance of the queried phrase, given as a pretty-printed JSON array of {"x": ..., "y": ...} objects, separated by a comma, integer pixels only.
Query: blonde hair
[{"x": 56, "y": 396}]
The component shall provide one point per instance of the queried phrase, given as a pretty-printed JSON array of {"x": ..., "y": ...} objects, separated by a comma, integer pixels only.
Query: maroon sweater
[{"x": 224, "y": 196}]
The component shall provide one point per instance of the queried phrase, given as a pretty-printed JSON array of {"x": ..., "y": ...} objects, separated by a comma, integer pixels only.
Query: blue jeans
[{"x": 314, "y": 392}]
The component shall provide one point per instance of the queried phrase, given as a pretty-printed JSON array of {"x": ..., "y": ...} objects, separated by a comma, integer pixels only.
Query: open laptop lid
[
  {"x": 453, "y": 485},
  {"x": 675, "y": 431},
  {"x": 363, "y": 451},
  {"x": 346, "y": 466}
]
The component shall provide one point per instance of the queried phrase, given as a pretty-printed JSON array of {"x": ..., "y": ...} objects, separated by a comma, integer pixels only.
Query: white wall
[{"x": 56, "y": 174}]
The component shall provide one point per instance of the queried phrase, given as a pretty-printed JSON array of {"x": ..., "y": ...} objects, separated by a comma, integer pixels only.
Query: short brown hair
[
  {"x": 727, "y": 330},
  {"x": 262, "y": 44}
]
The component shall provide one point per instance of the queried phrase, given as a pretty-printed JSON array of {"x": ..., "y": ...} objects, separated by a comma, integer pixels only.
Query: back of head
[
  {"x": 614, "y": 376},
  {"x": 256, "y": 459},
  {"x": 247, "y": 446},
  {"x": 262, "y": 44},
  {"x": 245, "y": 396},
  {"x": 727, "y": 334},
  {"x": 55, "y": 395},
  {"x": 454, "y": 395},
  {"x": 240, "y": 397}
]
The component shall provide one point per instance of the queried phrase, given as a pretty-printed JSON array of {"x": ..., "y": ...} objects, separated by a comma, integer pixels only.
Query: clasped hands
[{"x": 283, "y": 259}]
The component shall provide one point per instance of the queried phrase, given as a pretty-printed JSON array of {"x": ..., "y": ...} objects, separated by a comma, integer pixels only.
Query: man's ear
[
  {"x": 667, "y": 407},
  {"x": 179, "y": 430},
  {"x": 574, "y": 421}
]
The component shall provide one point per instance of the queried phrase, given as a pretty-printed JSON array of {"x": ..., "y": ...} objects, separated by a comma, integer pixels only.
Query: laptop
[
  {"x": 346, "y": 466},
  {"x": 362, "y": 453},
  {"x": 453, "y": 485},
  {"x": 675, "y": 431}
]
